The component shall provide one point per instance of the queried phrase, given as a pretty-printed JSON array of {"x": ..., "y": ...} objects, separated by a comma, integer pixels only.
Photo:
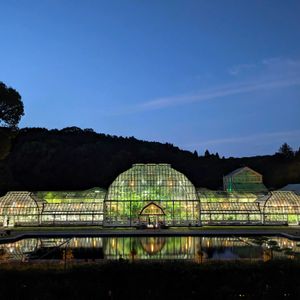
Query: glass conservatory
[
  {"x": 52, "y": 208},
  {"x": 244, "y": 180},
  {"x": 154, "y": 195},
  {"x": 72, "y": 207},
  {"x": 19, "y": 208},
  {"x": 151, "y": 195},
  {"x": 281, "y": 207},
  {"x": 218, "y": 207}
]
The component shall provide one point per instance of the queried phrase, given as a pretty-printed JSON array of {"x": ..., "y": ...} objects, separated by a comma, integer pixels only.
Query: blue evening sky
[{"x": 218, "y": 75}]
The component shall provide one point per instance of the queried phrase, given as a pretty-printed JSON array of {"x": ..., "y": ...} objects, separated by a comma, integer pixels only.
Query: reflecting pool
[{"x": 198, "y": 249}]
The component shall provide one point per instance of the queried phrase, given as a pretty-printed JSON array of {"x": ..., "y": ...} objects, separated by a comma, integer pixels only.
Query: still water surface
[{"x": 199, "y": 249}]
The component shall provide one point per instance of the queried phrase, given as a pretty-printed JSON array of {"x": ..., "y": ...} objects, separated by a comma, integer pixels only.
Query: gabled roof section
[
  {"x": 242, "y": 169},
  {"x": 157, "y": 210},
  {"x": 244, "y": 180}
]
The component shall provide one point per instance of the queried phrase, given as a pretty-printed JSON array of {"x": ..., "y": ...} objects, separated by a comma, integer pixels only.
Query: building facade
[{"x": 155, "y": 195}]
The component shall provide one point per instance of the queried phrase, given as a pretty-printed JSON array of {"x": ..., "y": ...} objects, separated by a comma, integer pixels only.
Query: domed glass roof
[{"x": 151, "y": 182}]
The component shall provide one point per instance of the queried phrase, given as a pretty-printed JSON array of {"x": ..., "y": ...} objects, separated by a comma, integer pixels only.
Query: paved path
[{"x": 291, "y": 233}]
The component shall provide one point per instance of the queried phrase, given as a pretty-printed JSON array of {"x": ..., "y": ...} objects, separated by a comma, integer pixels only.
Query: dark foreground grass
[{"x": 144, "y": 280}]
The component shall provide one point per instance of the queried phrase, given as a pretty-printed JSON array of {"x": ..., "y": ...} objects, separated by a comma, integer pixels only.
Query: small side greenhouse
[
  {"x": 218, "y": 207},
  {"x": 281, "y": 207},
  {"x": 19, "y": 208}
]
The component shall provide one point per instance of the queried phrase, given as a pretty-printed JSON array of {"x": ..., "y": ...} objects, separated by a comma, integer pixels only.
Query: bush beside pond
[{"x": 148, "y": 280}]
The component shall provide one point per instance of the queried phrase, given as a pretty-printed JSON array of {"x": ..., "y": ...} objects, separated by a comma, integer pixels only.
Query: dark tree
[
  {"x": 11, "y": 106},
  {"x": 206, "y": 153},
  {"x": 6, "y": 135},
  {"x": 286, "y": 151}
]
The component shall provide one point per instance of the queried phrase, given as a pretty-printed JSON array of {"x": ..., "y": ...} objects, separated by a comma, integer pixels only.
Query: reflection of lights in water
[
  {"x": 161, "y": 247},
  {"x": 152, "y": 245}
]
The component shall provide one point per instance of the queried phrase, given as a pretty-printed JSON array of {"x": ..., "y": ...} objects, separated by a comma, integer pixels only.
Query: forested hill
[{"x": 72, "y": 158}]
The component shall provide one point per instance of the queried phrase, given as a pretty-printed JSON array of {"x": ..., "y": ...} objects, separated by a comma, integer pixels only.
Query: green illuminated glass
[{"x": 158, "y": 183}]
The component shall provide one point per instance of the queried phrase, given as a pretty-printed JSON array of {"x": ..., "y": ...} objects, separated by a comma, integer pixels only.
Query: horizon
[
  {"x": 198, "y": 75},
  {"x": 296, "y": 149}
]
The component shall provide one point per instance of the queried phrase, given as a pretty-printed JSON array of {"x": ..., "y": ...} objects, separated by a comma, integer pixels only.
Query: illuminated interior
[
  {"x": 244, "y": 180},
  {"x": 281, "y": 207},
  {"x": 173, "y": 195},
  {"x": 155, "y": 195}
]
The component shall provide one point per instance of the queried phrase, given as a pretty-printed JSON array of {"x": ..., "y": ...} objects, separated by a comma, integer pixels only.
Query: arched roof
[
  {"x": 18, "y": 202},
  {"x": 151, "y": 182},
  {"x": 281, "y": 201}
]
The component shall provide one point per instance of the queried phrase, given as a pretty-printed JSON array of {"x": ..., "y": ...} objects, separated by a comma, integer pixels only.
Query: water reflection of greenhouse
[
  {"x": 155, "y": 195},
  {"x": 199, "y": 249}
]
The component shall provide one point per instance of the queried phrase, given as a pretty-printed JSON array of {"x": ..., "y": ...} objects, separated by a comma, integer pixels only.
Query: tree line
[{"x": 75, "y": 159}]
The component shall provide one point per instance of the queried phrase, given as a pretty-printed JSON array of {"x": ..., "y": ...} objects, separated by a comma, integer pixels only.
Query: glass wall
[
  {"x": 19, "y": 208},
  {"x": 219, "y": 207},
  {"x": 73, "y": 207},
  {"x": 244, "y": 180},
  {"x": 90, "y": 213},
  {"x": 52, "y": 208},
  {"x": 281, "y": 207},
  {"x": 134, "y": 189},
  {"x": 151, "y": 195}
]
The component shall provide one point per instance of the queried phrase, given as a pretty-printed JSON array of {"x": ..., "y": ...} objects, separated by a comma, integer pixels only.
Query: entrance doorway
[{"x": 152, "y": 216}]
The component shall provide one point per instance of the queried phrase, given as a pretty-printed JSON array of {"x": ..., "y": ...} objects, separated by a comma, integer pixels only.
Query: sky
[{"x": 217, "y": 75}]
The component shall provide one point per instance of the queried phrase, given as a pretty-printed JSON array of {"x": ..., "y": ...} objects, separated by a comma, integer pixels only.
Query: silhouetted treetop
[
  {"x": 11, "y": 106},
  {"x": 286, "y": 151}
]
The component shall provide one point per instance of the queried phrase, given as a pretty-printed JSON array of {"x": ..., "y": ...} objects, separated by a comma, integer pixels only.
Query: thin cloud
[
  {"x": 236, "y": 70},
  {"x": 274, "y": 73},
  {"x": 285, "y": 65},
  {"x": 219, "y": 92}
]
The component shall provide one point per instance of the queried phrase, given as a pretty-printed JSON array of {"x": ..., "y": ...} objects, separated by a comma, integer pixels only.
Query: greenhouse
[
  {"x": 72, "y": 207},
  {"x": 151, "y": 195},
  {"x": 244, "y": 180},
  {"x": 19, "y": 208},
  {"x": 220, "y": 207},
  {"x": 52, "y": 208},
  {"x": 281, "y": 207},
  {"x": 155, "y": 196}
]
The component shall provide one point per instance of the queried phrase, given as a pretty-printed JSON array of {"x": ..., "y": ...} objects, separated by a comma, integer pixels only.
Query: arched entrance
[{"x": 152, "y": 215}]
